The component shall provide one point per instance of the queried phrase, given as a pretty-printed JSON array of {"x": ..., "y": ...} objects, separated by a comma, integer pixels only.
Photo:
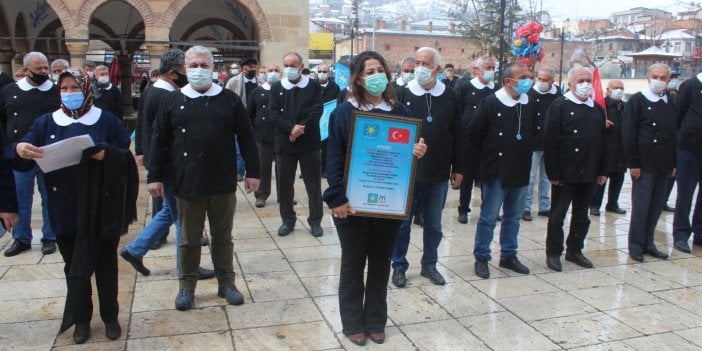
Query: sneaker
[
  {"x": 260, "y": 203},
  {"x": 48, "y": 247},
  {"x": 512, "y": 263},
  {"x": 185, "y": 299},
  {"x": 578, "y": 258},
  {"x": 231, "y": 294},
  {"x": 137, "y": 263},
  {"x": 481, "y": 269},
  {"x": 526, "y": 215},
  {"x": 399, "y": 279},
  {"x": 17, "y": 248},
  {"x": 433, "y": 275}
]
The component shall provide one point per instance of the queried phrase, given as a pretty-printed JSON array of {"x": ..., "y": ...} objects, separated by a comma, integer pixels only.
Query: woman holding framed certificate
[{"x": 370, "y": 236}]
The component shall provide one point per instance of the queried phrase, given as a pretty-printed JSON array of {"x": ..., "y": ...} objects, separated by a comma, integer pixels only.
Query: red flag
[
  {"x": 115, "y": 71},
  {"x": 398, "y": 135},
  {"x": 597, "y": 92}
]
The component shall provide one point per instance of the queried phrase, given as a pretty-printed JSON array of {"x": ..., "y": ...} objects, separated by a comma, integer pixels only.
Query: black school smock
[
  {"x": 330, "y": 91},
  {"x": 506, "y": 143},
  {"x": 689, "y": 103},
  {"x": 258, "y": 109},
  {"x": 541, "y": 102},
  {"x": 22, "y": 103},
  {"x": 150, "y": 103},
  {"x": 616, "y": 160},
  {"x": 442, "y": 132},
  {"x": 196, "y": 132},
  {"x": 574, "y": 141},
  {"x": 109, "y": 99},
  {"x": 291, "y": 104},
  {"x": 649, "y": 132}
]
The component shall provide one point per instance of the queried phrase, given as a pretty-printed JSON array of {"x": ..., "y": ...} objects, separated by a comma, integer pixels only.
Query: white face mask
[
  {"x": 323, "y": 77},
  {"x": 657, "y": 86},
  {"x": 423, "y": 75},
  {"x": 91, "y": 74},
  {"x": 234, "y": 71},
  {"x": 103, "y": 80},
  {"x": 407, "y": 76},
  {"x": 55, "y": 77},
  {"x": 292, "y": 73},
  {"x": 543, "y": 86},
  {"x": 583, "y": 90},
  {"x": 261, "y": 77},
  {"x": 617, "y": 94},
  {"x": 273, "y": 77},
  {"x": 199, "y": 77}
]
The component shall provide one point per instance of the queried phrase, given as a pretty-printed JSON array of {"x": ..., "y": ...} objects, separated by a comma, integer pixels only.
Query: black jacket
[
  {"x": 8, "y": 195},
  {"x": 330, "y": 92},
  {"x": 649, "y": 134},
  {"x": 19, "y": 109},
  {"x": 616, "y": 160},
  {"x": 110, "y": 100},
  {"x": 258, "y": 109},
  {"x": 296, "y": 106},
  {"x": 541, "y": 103},
  {"x": 689, "y": 103},
  {"x": 574, "y": 142}
]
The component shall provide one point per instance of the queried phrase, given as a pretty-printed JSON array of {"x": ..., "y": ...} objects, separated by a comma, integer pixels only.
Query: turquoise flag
[{"x": 342, "y": 75}]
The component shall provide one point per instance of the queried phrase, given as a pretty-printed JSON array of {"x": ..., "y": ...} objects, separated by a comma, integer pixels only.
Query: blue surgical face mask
[
  {"x": 72, "y": 101},
  {"x": 423, "y": 75},
  {"x": 273, "y": 77},
  {"x": 523, "y": 86},
  {"x": 199, "y": 77}
]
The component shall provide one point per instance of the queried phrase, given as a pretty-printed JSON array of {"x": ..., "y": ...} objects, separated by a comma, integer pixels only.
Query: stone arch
[
  {"x": 89, "y": 7},
  {"x": 21, "y": 42},
  {"x": 62, "y": 12},
  {"x": 263, "y": 30}
]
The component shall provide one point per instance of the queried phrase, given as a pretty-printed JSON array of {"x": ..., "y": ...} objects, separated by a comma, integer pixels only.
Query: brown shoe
[
  {"x": 377, "y": 338},
  {"x": 358, "y": 339}
]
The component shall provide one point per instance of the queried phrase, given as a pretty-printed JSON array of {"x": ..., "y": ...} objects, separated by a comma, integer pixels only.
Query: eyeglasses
[{"x": 323, "y": 71}]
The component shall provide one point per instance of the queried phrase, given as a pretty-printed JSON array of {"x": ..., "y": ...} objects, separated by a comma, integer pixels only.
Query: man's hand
[
  {"x": 155, "y": 189},
  {"x": 297, "y": 130},
  {"x": 420, "y": 149},
  {"x": 342, "y": 211},
  {"x": 635, "y": 173},
  {"x": 140, "y": 160},
  {"x": 251, "y": 184},
  {"x": 601, "y": 180},
  {"x": 456, "y": 179},
  {"x": 10, "y": 220},
  {"x": 556, "y": 182},
  {"x": 608, "y": 124},
  {"x": 100, "y": 155}
]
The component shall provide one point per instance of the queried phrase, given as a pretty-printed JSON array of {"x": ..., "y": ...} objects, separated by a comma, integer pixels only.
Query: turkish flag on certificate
[{"x": 398, "y": 135}]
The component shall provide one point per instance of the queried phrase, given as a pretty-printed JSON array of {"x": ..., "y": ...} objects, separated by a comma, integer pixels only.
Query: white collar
[
  {"x": 300, "y": 84},
  {"x": 401, "y": 82},
  {"x": 383, "y": 105},
  {"x": 88, "y": 119},
  {"x": 325, "y": 84},
  {"x": 266, "y": 86},
  {"x": 160, "y": 83},
  {"x": 550, "y": 91},
  {"x": 653, "y": 97},
  {"x": 246, "y": 80},
  {"x": 417, "y": 90},
  {"x": 108, "y": 87},
  {"x": 26, "y": 86},
  {"x": 589, "y": 102},
  {"x": 508, "y": 100},
  {"x": 188, "y": 91},
  {"x": 478, "y": 84},
  {"x": 699, "y": 76}
]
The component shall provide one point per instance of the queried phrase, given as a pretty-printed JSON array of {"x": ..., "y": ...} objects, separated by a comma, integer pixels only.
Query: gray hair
[
  {"x": 659, "y": 65},
  {"x": 199, "y": 50},
  {"x": 60, "y": 62},
  {"x": 437, "y": 56},
  {"x": 407, "y": 59},
  {"x": 34, "y": 55},
  {"x": 550, "y": 71},
  {"x": 101, "y": 68},
  {"x": 484, "y": 59},
  {"x": 572, "y": 71},
  {"x": 509, "y": 69},
  {"x": 292, "y": 53},
  {"x": 171, "y": 60}
]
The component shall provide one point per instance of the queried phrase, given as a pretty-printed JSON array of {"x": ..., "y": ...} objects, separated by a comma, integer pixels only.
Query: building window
[
  {"x": 688, "y": 47},
  {"x": 676, "y": 46},
  {"x": 387, "y": 47}
]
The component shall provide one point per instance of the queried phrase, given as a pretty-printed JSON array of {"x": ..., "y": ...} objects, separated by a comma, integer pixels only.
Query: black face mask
[
  {"x": 38, "y": 78},
  {"x": 250, "y": 74},
  {"x": 181, "y": 81}
]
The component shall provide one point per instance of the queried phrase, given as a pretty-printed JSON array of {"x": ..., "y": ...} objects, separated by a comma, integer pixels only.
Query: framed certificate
[{"x": 380, "y": 165}]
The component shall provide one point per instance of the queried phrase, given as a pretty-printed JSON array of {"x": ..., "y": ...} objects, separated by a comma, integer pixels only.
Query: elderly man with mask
[
  {"x": 470, "y": 94},
  {"x": 438, "y": 107},
  {"x": 503, "y": 128},
  {"x": 106, "y": 95},
  {"x": 57, "y": 67},
  {"x": 576, "y": 161},
  {"x": 616, "y": 161},
  {"x": 649, "y": 139},
  {"x": 330, "y": 91},
  {"x": 406, "y": 73},
  {"x": 541, "y": 96},
  {"x": 243, "y": 84}
]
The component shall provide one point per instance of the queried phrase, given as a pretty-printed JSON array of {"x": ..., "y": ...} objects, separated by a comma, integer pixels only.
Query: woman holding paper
[
  {"x": 362, "y": 305},
  {"x": 90, "y": 203}
]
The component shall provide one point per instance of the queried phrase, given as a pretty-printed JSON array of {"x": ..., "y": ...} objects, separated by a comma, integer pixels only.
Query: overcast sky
[{"x": 579, "y": 9}]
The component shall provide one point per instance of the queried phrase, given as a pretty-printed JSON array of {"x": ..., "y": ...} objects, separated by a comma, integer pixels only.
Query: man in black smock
[
  {"x": 296, "y": 106},
  {"x": 330, "y": 91},
  {"x": 107, "y": 96},
  {"x": 649, "y": 139},
  {"x": 576, "y": 160}
]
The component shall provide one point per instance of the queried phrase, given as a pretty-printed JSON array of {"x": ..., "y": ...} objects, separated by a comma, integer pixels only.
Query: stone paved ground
[{"x": 290, "y": 288}]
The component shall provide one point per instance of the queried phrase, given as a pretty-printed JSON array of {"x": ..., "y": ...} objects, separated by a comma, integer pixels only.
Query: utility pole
[
  {"x": 560, "y": 70},
  {"x": 503, "y": 5},
  {"x": 354, "y": 26}
]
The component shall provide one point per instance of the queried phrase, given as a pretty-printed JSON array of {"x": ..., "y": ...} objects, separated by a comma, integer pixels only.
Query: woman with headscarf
[{"x": 90, "y": 204}]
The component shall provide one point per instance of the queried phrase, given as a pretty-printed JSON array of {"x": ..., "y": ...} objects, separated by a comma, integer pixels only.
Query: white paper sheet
[{"x": 64, "y": 153}]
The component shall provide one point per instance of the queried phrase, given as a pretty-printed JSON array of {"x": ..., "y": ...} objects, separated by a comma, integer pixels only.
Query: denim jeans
[
  {"x": 538, "y": 166},
  {"x": 689, "y": 176},
  {"x": 24, "y": 181},
  {"x": 240, "y": 165},
  {"x": 158, "y": 226},
  {"x": 511, "y": 200},
  {"x": 432, "y": 197}
]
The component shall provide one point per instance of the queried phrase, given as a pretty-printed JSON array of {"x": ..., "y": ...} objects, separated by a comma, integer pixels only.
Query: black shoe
[
  {"x": 544, "y": 213},
  {"x": 285, "y": 229},
  {"x": 554, "y": 263},
  {"x": 526, "y": 215},
  {"x": 667, "y": 208},
  {"x": 433, "y": 275},
  {"x": 260, "y": 202},
  {"x": 655, "y": 253},
  {"x": 481, "y": 269},
  {"x": 231, "y": 294},
  {"x": 81, "y": 332},
  {"x": 399, "y": 279},
  {"x": 636, "y": 257},
  {"x": 113, "y": 330},
  {"x": 578, "y": 258},
  {"x": 204, "y": 273},
  {"x": 616, "y": 210},
  {"x": 185, "y": 299},
  {"x": 48, "y": 247},
  {"x": 204, "y": 241},
  {"x": 316, "y": 230},
  {"x": 159, "y": 244},
  {"x": 418, "y": 220},
  {"x": 594, "y": 212},
  {"x": 17, "y": 248},
  {"x": 137, "y": 263},
  {"x": 463, "y": 217},
  {"x": 678, "y": 245},
  {"x": 512, "y": 263}
]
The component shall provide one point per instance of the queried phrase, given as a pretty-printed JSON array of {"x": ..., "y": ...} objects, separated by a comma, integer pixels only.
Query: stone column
[
  {"x": 78, "y": 50},
  {"x": 157, "y": 43}
]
